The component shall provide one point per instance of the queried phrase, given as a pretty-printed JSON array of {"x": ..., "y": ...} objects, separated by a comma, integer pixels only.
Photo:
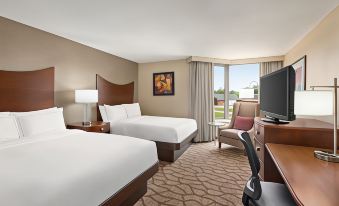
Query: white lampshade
[
  {"x": 86, "y": 96},
  {"x": 246, "y": 94},
  {"x": 315, "y": 103}
]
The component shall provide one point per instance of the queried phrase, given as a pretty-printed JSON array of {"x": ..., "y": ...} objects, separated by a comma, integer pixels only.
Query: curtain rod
[{"x": 236, "y": 61}]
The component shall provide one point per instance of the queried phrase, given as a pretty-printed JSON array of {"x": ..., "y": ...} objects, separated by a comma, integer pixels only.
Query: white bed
[
  {"x": 162, "y": 129},
  {"x": 42, "y": 163},
  {"x": 70, "y": 167},
  {"x": 171, "y": 135}
]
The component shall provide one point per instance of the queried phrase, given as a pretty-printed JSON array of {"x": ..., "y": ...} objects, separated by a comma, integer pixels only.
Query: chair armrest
[{"x": 226, "y": 126}]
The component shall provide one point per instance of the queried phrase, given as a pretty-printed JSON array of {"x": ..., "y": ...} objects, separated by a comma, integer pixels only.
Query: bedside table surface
[
  {"x": 101, "y": 127},
  {"x": 94, "y": 124}
]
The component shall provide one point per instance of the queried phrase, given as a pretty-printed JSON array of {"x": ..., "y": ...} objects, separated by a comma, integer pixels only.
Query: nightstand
[{"x": 99, "y": 127}]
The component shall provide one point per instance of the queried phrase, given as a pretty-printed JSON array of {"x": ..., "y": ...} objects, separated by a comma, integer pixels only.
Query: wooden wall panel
[{"x": 26, "y": 90}]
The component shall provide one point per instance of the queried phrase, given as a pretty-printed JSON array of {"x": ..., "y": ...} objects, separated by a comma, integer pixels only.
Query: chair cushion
[
  {"x": 243, "y": 123},
  {"x": 274, "y": 194},
  {"x": 230, "y": 133}
]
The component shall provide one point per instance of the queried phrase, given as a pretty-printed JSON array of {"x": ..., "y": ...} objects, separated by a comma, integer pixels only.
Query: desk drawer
[
  {"x": 259, "y": 149},
  {"x": 103, "y": 129},
  {"x": 259, "y": 132}
]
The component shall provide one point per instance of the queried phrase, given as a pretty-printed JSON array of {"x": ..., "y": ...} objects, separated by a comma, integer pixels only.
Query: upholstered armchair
[{"x": 229, "y": 133}]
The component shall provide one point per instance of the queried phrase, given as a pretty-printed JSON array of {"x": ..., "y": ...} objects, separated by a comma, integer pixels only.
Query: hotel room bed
[
  {"x": 70, "y": 167},
  {"x": 162, "y": 129},
  {"x": 171, "y": 135},
  {"x": 64, "y": 167}
]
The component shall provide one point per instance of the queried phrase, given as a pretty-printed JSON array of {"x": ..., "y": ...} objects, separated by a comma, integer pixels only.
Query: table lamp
[
  {"x": 320, "y": 103},
  {"x": 246, "y": 94},
  {"x": 86, "y": 97}
]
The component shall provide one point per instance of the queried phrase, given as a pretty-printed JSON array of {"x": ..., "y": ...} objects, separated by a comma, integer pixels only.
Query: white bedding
[
  {"x": 162, "y": 129},
  {"x": 70, "y": 167}
]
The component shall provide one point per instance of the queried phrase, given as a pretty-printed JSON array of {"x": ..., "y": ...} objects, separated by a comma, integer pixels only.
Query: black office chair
[{"x": 260, "y": 193}]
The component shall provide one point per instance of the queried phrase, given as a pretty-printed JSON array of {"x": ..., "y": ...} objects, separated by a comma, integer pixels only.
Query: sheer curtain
[
  {"x": 269, "y": 67},
  {"x": 201, "y": 98}
]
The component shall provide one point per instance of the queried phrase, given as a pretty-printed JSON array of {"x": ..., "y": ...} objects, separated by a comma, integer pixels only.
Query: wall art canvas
[
  {"x": 300, "y": 74},
  {"x": 163, "y": 83}
]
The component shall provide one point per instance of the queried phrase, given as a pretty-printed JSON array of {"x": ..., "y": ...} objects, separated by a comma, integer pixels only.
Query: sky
[{"x": 240, "y": 76}]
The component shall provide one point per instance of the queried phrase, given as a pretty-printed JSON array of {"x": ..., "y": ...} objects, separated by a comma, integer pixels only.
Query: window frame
[{"x": 227, "y": 89}]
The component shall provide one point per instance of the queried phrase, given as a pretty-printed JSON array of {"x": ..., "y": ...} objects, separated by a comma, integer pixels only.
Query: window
[
  {"x": 243, "y": 83},
  {"x": 240, "y": 81},
  {"x": 219, "y": 92}
]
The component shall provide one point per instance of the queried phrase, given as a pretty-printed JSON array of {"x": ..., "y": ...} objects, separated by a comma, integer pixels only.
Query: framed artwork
[
  {"x": 163, "y": 83},
  {"x": 300, "y": 73}
]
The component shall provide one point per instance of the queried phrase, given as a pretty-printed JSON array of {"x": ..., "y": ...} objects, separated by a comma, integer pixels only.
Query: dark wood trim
[
  {"x": 132, "y": 192},
  {"x": 113, "y": 94},
  {"x": 170, "y": 152},
  {"x": 23, "y": 91}
]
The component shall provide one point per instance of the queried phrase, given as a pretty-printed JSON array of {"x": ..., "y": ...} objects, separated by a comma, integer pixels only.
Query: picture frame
[
  {"x": 163, "y": 84},
  {"x": 300, "y": 73}
]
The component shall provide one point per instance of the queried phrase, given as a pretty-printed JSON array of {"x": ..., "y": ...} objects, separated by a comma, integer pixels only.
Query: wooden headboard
[
  {"x": 27, "y": 90},
  {"x": 113, "y": 94}
]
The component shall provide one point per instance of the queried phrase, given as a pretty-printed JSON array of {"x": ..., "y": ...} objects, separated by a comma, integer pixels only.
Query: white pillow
[
  {"x": 17, "y": 114},
  {"x": 8, "y": 127},
  {"x": 115, "y": 113},
  {"x": 103, "y": 113},
  {"x": 132, "y": 110},
  {"x": 4, "y": 114},
  {"x": 39, "y": 122},
  {"x": 53, "y": 109}
]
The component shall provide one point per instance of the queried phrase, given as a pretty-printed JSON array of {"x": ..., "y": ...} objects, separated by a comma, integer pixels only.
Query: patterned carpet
[{"x": 203, "y": 175}]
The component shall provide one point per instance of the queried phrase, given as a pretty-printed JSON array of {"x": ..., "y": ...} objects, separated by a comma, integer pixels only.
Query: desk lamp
[
  {"x": 320, "y": 103},
  {"x": 86, "y": 97}
]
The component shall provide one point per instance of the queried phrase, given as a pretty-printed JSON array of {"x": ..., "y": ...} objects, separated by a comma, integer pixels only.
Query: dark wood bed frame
[
  {"x": 34, "y": 90},
  {"x": 114, "y": 94}
]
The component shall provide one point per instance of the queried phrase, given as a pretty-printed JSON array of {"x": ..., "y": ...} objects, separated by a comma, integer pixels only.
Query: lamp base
[
  {"x": 86, "y": 123},
  {"x": 326, "y": 156}
]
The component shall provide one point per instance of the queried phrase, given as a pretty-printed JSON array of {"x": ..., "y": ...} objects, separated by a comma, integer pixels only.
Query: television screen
[{"x": 277, "y": 94}]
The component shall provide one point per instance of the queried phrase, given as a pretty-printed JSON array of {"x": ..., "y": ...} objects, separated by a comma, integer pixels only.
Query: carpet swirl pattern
[{"x": 203, "y": 175}]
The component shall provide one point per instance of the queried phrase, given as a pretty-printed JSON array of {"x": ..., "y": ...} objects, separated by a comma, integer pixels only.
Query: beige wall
[
  {"x": 25, "y": 48},
  {"x": 321, "y": 46},
  {"x": 173, "y": 106}
]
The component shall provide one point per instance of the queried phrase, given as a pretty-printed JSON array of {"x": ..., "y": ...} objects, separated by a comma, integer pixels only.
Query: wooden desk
[
  {"x": 301, "y": 132},
  {"x": 311, "y": 181}
]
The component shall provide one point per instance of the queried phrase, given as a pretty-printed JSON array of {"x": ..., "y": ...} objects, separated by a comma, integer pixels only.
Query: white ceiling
[{"x": 158, "y": 30}]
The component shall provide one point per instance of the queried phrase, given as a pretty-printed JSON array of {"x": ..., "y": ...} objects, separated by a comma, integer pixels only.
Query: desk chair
[{"x": 260, "y": 193}]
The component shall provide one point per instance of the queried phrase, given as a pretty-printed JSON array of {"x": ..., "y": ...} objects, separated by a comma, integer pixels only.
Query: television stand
[
  {"x": 301, "y": 132},
  {"x": 274, "y": 120}
]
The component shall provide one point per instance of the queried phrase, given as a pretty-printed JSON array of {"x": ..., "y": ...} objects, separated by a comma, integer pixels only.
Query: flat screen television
[{"x": 277, "y": 95}]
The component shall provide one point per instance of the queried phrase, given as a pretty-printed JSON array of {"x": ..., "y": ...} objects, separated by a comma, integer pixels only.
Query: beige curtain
[
  {"x": 269, "y": 67},
  {"x": 201, "y": 98}
]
